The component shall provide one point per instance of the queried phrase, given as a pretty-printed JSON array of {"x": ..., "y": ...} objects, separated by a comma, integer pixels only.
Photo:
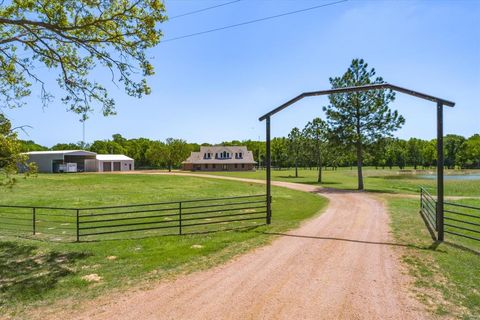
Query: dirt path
[{"x": 342, "y": 264}]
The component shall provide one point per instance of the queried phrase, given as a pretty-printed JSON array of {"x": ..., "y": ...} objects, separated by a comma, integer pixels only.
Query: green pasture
[
  {"x": 37, "y": 273},
  {"x": 376, "y": 180},
  {"x": 447, "y": 275}
]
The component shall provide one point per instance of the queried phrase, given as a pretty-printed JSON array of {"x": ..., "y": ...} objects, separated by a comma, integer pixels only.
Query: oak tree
[
  {"x": 10, "y": 154},
  {"x": 71, "y": 38}
]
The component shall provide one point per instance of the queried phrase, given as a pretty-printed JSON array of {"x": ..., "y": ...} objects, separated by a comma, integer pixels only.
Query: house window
[
  {"x": 213, "y": 166},
  {"x": 236, "y": 166},
  {"x": 206, "y": 166},
  {"x": 240, "y": 155},
  {"x": 243, "y": 166}
]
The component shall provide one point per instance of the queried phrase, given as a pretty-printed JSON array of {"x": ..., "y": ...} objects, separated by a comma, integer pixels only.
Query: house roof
[
  {"x": 63, "y": 152},
  {"x": 112, "y": 157},
  {"x": 198, "y": 157}
]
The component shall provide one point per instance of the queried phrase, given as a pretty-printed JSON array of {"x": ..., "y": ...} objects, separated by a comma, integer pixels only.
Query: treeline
[
  {"x": 459, "y": 152},
  {"x": 299, "y": 149}
]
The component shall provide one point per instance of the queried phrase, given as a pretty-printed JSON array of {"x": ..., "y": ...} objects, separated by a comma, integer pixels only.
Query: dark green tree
[
  {"x": 279, "y": 152},
  {"x": 106, "y": 147},
  {"x": 66, "y": 146},
  {"x": 174, "y": 152},
  {"x": 414, "y": 150},
  {"x": 362, "y": 117},
  {"x": 294, "y": 143},
  {"x": 469, "y": 154},
  {"x": 377, "y": 152},
  {"x": 429, "y": 153},
  {"x": 29, "y": 145},
  {"x": 452, "y": 145},
  {"x": 155, "y": 154},
  {"x": 316, "y": 133},
  {"x": 10, "y": 154}
]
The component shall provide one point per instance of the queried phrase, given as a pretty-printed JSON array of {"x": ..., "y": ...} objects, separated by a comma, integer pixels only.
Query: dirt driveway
[{"x": 342, "y": 264}]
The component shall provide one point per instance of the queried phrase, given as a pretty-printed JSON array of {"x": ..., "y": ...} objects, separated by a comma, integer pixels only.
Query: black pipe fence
[
  {"x": 428, "y": 208},
  {"x": 127, "y": 221},
  {"x": 460, "y": 220}
]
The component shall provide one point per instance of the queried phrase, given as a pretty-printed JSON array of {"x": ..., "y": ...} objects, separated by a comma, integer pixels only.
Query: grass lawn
[
  {"x": 381, "y": 180},
  {"x": 447, "y": 277},
  {"x": 36, "y": 273}
]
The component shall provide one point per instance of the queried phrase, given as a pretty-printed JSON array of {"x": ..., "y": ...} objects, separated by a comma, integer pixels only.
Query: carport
[{"x": 54, "y": 161}]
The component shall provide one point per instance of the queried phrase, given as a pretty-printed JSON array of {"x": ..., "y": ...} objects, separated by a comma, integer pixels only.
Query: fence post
[
  {"x": 421, "y": 199},
  {"x": 78, "y": 225},
  {"x": 33, "y": 220},
  {"x": 268, "y": 173},
  {"x": 180, "y": 217},
  {"x": 440, "y": 168}
]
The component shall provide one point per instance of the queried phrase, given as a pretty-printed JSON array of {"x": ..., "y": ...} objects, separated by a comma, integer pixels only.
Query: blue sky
[{"x": 214, "y": 87}]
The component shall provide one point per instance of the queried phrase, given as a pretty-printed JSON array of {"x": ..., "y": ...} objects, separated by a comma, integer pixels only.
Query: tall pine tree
[{"x": 360, "y": 118}]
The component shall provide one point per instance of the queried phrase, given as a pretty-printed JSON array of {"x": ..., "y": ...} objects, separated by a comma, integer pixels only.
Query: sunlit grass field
[
  {"x": 447, "y": 276},
  {"x": 35, "y": 273},
  {"x": 376, "y": 180}
]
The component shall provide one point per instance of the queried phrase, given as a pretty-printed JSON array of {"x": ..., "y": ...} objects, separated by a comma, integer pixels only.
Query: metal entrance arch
[{"x": 440, "y": 161}]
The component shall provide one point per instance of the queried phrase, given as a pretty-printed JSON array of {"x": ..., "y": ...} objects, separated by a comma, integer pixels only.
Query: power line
[
  {"x": 254, "y": 21},
  {"x": 201, "y": 10}
]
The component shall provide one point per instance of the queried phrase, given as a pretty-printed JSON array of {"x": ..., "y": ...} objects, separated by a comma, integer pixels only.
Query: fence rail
[
  {"x": 428, "y": 207},
  {"x": 97, "y": 223},
  {"x": 462, "y": 220},
  {"x": 459, "y": 219}
]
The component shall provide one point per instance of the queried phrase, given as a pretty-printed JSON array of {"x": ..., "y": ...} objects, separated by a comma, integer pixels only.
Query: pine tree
[{"x": 360, "y": 118}]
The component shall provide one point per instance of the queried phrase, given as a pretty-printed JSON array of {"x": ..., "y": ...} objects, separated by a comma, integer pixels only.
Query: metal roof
[
  {"x": 63, "y": 152},
  {"x": 112, "y": 157}
]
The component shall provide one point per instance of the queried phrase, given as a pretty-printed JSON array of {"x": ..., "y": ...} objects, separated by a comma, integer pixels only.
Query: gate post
[
  {"x": 269, "y": 177},
  {"x": 440, "y": 168}
]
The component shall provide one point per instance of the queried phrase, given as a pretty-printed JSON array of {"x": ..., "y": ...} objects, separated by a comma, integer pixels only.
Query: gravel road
[{"x": 342, "y": 264}]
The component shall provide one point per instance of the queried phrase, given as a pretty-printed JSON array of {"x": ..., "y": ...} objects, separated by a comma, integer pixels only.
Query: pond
[{"x": 451, "y": 177}]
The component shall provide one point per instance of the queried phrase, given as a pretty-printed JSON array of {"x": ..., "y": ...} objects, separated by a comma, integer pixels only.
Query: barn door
[
  {"x": 116, "y": 166},
  {"x": 107, "y": 166}
]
